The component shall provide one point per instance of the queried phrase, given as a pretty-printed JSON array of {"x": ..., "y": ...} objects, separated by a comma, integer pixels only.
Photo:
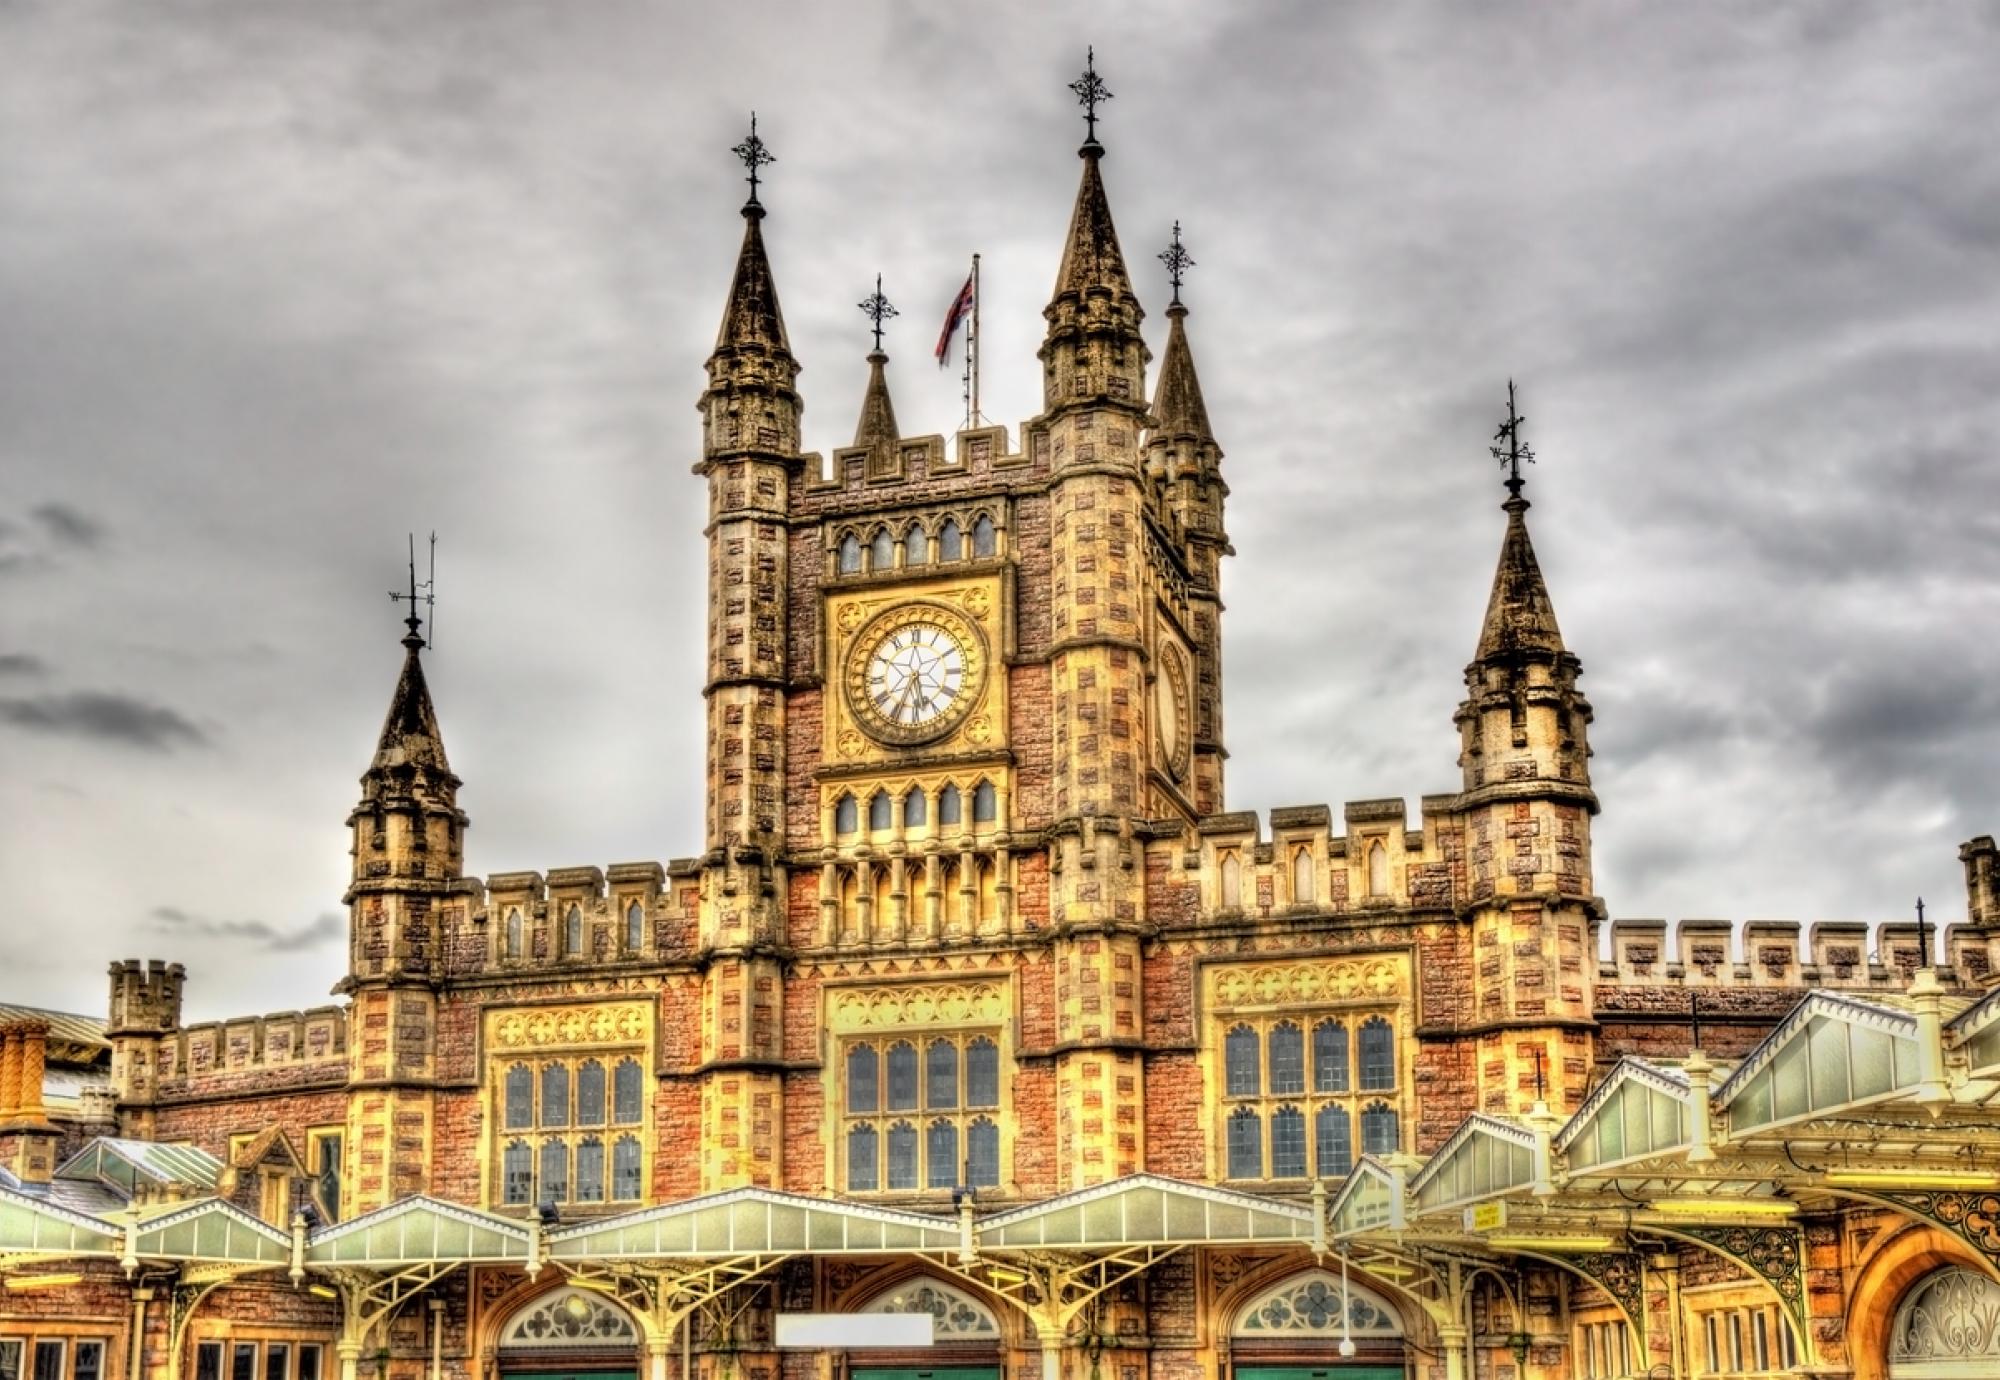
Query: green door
[
  {"x": 932, "y": 1373},
  {"x": 1329, "y": 1372}
]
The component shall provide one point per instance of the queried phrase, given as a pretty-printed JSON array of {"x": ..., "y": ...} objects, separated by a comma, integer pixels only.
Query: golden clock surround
[{"x": 870, "y": 636}]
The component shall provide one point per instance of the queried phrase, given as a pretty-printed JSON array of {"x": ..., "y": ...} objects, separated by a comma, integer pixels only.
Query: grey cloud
[
  {"x": 70, "y": 527},
  {"x": 321, "y": 930},
  {"x": 106, "y": 716},
  {"x": 22, "y": 664}
]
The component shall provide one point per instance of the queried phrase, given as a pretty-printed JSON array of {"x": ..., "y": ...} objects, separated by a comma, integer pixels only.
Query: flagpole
[{"x": 973, "y": 343}]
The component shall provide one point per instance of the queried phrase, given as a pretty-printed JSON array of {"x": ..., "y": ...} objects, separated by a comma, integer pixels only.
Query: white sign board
[{"x": 854, "y": 1329}]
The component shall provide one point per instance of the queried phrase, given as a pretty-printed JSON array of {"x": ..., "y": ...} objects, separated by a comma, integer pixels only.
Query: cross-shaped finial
[
  {"x": 1511, "y": 451},
  {"x": 1091, "y": 92},
  {"x": 1178, "y": 262},
  {"x": 877, "y": 309},
  {"x": 1923, "y": 937},
  {"x": 754, "y": 154}
]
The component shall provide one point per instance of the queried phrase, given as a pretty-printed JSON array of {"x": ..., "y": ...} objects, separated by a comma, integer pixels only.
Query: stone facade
[{"x": 968, "y": 911}]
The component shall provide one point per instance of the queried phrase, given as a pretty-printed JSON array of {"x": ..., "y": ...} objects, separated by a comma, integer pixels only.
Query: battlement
[
  {"x": 523, "y": 918},
  {"x": 1291, "y": 858},
  {"x": 1847, "y": 954},
  {"x": 279, "y": 1040},
  {"x": 919, "y": 461},
  {"x": 145, "y": 997}
]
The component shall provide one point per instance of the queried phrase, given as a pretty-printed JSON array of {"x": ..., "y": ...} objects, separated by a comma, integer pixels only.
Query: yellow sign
[{"x": 1486, "y": 1216}]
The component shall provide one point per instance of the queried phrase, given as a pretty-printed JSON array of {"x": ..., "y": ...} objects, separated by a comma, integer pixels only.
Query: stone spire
[
  {"x": 751, "y": 402},
  {"x": 410, "y": 739},
  {"x": 1093, "y": 350},
  {"x": 1520, "y": 620},
  {"x": 1178, "y": 410},
  {"x": 751, "y": 317},
  {"x": 877, "y": 425}
]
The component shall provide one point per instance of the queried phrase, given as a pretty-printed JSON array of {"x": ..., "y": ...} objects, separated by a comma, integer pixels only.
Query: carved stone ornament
[
  {"x": 957, "y": 1315},
  {"x": 1170, "y": 711},
  {"x": 918, "y": 1004},
  {"x": 1307, "y": 981},
  {"x": 601, "y": 1023}
]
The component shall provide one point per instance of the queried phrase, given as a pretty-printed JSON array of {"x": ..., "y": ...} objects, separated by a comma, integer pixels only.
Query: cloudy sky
[{"x": 281, "y": 283}]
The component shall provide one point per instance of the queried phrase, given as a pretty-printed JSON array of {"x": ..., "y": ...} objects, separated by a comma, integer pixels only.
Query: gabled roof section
[
  {"x": 1640, "y": 1109},
  {"x": 127, "y": 1165},
  {"x": 260, "y": 1147},
  {"x": 33, "y": 1227},
  {"x": 1484, "y": 1157},
  {"x": 212, "y": 1229},
  {"x": 752, "y": 1221},
  {"x": 1147, "y": 1209},
  {"x": 416, "y": 1229},
  {"x": 1831, "y": 1051},
  {"x": 1369, "y": 1199},
  {"x": 1976, "y": 1030}
]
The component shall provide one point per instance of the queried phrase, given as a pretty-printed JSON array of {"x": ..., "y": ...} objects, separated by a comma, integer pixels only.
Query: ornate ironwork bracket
[
  {"x": 1973, "y": 1218},
  {"x": 1621, "y": 1274},
  {"x": 661, "y": 1293},
  {"x": 1775, "y": 1255}
]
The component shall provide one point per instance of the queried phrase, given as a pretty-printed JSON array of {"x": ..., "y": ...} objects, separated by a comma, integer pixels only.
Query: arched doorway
[
  {"x": 569, "y": 1334},
  {"x": 967, "y": 1335},
  {"x": 1947, "y": 1328},
  {"x": 1292, "y": 1330}
]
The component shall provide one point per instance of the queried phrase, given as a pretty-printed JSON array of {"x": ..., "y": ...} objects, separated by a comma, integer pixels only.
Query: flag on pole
[{"x": 961, "y": 307}]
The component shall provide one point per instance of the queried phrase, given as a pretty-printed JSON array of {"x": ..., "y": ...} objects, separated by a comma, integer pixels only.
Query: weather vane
[
  {"x": 754, "y": 154},
  {"x": 877, "y": 309},
  {"x": 1511, "y": 451},
  {"x": 425, "y": 593},
  {"x": 1091, "y": 92},
  {"x": 1178, "y": 262}
]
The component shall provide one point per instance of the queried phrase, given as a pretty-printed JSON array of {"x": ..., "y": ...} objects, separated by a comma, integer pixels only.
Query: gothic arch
[
  {"x": 1414, "y": 1314},
  {"x": 1307, "y": 1303},
  {"x": 571, "y": 1321},
  {"x": 1895, "y": 1262},
  {"x": 961, "y": 1315},
  {"x": 1947, "y": 1327}
]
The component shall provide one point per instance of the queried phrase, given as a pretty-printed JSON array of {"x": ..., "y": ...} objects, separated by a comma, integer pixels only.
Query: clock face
[
  {"x": 914, "y": 674},
  {"x": 1170, "y": 710}
]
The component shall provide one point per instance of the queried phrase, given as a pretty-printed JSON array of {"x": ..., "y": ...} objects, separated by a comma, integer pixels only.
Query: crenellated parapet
[
  {"x": 285, "y": 1044},
  {"x": 568, "y": 917},
  {"x": 1849, "y": 955}
]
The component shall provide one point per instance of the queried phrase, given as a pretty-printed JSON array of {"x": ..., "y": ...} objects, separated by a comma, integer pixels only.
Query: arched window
[
  {"x": 520, "y": 1097},
  {"x": 514, "y": 934},
  {"x": 573, "y": 932},
  {"x": 1380, "y": 1133},
  {"x": 1329, "y": 1057},
  {"x": 590, "y": 1093},
  {"x": 878, "y": 810},
  {"x": 1378, "y": 869},
  {"x": 941, "y": 1154},
  {"x": 590, "y": 1170},
  {"x": 948, "y": 805},
  {"x": 941, "y": 1075},
  {"x": 914, "y": 808},
  {"x": 863, "y": 1070},
  {"x": 882, "y": 550},
  {"x": 982, "y": 1073},
  {"x": 902, "y": 1076},
  {"x": 1246, "y": 1144},
  {"x": 951, "y": 543},
  {"x": 635, "y": 927},
  {"x": 625, "y": 1092},
  {"x": 1288, "y": 1059},
  {"x": 1335, "y": 1135},
  {"x": 982, "y": 1153},
  {"x": 1948, "y": 1325},
  {"x": 555, "y": 1094},
  {"x": 517, "y": 1173},
  {"x": 863, "y": 1174},
  {"x": 625, "y": 1169},
  {"x": 555, "y": 1172},
  {"x": 1288, "y": 1143},
  {"x": 902, "y": 1156},
  {"x": 850, "y": 554},
  {"x": 1240, "y": 1075},
  {"x": 846, "y": 816},
  {"x": 984, "y": 542},
  {"x": 1378, "y": 1055},
  {"x": 1232, "y": 881},
  {"x": 916, "y": 547},
  {"x": 1302, "y": 876},
  {"x": 985, "y": 803}
]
